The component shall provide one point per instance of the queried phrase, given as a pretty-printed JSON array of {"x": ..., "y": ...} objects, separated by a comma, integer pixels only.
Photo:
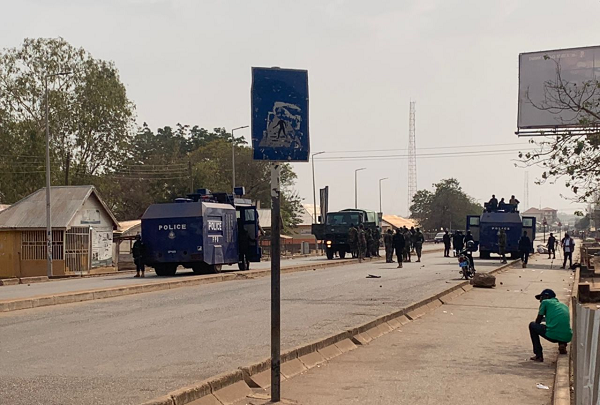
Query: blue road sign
[{"x": 280, "y": 114}]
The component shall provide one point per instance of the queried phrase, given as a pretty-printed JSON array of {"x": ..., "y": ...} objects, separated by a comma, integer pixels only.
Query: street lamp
[
  {"x": 48, "y": 182},
  {"x": 380, "y": 180},
  {"x": 356, "y": 186},
  {"x": 233, "y": 155},
  {"x": 314, "y": 190}
]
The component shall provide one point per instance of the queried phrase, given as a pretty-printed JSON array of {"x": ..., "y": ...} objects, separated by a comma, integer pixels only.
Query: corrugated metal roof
[
  {"x": 399, "y": 222},
  {"x": 65, "y": 201}
]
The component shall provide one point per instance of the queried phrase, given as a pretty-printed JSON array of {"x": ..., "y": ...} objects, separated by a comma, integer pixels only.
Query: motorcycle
[{"x": 465, "y": 262}]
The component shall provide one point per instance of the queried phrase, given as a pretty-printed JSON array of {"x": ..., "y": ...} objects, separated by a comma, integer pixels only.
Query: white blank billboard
[{"x": 537, "y": 69}]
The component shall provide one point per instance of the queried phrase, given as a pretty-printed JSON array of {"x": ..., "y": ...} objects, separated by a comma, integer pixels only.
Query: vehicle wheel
[
  {"x": 329, "y": 253},
  {"x": 166, "y": 270},
  {"x": 342, "y": 254},
  {"x": 241, "y": 266},
  {"x": 514, "y": 256},
  {"x": 484, "y": 254},
  {"x": 199, "y": 269},
  {"x": 216, "y": 268}
]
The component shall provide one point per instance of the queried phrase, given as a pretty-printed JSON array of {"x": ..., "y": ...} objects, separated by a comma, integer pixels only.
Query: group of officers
[
  {"x": 365, "y": 243},
  {"x": 494, "y": 205}
]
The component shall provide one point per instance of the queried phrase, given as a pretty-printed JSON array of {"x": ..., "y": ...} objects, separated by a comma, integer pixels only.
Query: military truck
[{"x": 334, "y": 231}]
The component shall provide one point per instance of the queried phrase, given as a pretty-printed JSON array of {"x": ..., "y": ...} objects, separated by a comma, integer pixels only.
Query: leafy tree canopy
[{"x": 447, "y": 206}]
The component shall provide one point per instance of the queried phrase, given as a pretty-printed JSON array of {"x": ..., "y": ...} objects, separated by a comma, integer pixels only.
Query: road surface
[{"x": 130, "y": 349}]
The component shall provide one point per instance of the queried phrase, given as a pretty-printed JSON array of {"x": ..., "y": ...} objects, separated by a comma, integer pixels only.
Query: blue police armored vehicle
[
  {"x": 203, "y": 232},
  {"x": 485, "y": 229}
]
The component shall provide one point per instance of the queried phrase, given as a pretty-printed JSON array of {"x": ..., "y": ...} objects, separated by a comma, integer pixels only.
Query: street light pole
[
  {"x": 233, "y": 156},
  {"x": 48, "y": 181},
  {"x": 356, "y": 186},
  {"x": 380, "y": 180},
  {"x": 314, "y": 190}
]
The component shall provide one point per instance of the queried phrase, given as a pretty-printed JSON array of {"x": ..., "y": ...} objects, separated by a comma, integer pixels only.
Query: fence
[{"x": 289, "y": 247}]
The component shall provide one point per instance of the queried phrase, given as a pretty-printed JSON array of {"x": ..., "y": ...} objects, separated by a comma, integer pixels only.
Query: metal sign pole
[{"x": 275, "y": 283}]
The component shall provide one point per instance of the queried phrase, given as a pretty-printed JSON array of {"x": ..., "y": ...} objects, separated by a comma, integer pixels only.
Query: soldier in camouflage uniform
[
  {"x": 369, "y": 236},
  {"x": 362, "y": 243},
  {"x": 408, "y": 244},
  {"x": 353, "y": 240},
  {"x": 388, "y": 242}
]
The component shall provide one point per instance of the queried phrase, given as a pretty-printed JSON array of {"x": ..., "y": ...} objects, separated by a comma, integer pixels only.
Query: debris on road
[
  {"x": 372, "y": 276},
  {"x": 542, "y": 386},
  {"x": 483, "y": 280}
]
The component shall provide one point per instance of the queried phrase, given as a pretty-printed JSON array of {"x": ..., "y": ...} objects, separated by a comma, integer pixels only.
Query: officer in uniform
[
  {"x": 388, "y": 242},
  {"x": 362, "y": 242},
  {"x": 353, "y": 240}
]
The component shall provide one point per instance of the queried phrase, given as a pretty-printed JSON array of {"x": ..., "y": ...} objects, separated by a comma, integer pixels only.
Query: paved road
[
  {"x": 130, "y": 349},
  {"x": 119, "y": 280}
]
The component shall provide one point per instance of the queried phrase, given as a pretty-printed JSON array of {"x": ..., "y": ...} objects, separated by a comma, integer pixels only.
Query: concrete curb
[
  {"x": 302, "y": 358},
  {"x": 90, "y": 295}
]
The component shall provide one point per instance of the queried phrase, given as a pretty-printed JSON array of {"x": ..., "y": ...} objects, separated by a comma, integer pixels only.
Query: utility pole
[
  {"x": 314, "y": 190},
  {"x": 412, "y": 154},
  {"x": 380, "y": 180},
  {"x": 233, "y": 156},
  {"x": 275, "y": 282},
  {"x": 356, "y": 186}
]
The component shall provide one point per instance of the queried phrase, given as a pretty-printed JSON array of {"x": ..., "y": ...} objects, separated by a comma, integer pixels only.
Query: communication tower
[{"x": 412, "y": 155}]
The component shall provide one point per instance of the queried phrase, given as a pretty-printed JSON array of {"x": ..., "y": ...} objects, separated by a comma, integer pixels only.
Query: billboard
[
  {"x": 541, "y": 103},
  {"x": 280, "y": 114}
]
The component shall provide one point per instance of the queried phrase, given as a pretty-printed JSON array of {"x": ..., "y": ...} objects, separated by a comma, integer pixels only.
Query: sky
[{"x": 189, "y": 62}]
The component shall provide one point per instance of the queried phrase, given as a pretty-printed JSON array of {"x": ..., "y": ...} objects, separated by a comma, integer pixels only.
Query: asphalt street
[
  {"x": 124, "y": 279},
  {"x": 130, "y": 349}
]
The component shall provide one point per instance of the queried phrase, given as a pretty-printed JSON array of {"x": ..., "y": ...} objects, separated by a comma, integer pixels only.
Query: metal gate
[{"x": 77, "y": 250}]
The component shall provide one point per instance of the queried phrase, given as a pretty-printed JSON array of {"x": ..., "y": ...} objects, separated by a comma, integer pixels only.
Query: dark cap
[{"x": 546, "y": 293}]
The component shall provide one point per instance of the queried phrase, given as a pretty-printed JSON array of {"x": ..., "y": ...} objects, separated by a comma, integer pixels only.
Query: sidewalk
[{"x": 474, "y": 350}]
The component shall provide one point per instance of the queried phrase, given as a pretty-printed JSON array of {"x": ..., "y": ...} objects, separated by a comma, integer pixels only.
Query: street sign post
[{"x": 279, "y": 134}]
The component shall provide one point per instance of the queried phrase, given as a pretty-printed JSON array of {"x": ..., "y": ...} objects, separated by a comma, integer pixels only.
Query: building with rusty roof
[{"x": 82, "y": 233}]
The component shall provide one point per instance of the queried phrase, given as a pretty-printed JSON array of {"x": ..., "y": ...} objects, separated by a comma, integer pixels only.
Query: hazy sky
[{"x": 189, "y": 62}]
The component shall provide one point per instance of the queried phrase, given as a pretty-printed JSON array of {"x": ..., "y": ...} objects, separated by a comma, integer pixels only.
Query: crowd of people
[{"x": 404, "y": 242}]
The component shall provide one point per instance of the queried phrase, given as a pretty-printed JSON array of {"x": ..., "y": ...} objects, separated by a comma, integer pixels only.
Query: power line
[
  {"x": 430, "y": 148},
  {"x": 424, "y": 156}
]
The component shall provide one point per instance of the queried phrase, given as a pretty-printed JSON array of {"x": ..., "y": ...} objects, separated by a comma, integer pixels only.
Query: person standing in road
[
  {"x": 446, "y": 240},
  {"x": 407, "y": 239},
  {"x": 419, "y": 240},
  {"x": 568, "y": 246},
  {"x": 361, "y": 242},
  {"x": 353, "y": 240},
  {"x": 458, "y": 241},
  {"x": 524, "y": 248},
  {"x": 138, "y": 251},
  {"x": 412, "y": 238},
  {"x": 551, "y": 246},
  {"x": 557, "y": 328},
  {"x": 502, "y": 244},
  {"x": 369, "y": 236},
  {"x": 388, "y": 242},
  {"x": 399, "y": 244},
  {"x": 243, "y": 247}
]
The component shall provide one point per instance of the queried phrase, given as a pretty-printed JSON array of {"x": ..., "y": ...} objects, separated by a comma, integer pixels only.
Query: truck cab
[{"x": 334, "y": 232}]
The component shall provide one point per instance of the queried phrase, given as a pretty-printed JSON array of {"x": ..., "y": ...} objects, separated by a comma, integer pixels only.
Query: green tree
[
  {"x": 448, "y": 205},
  {"x": 583, "y": 223},
  {"x": 90, "y": 116}
]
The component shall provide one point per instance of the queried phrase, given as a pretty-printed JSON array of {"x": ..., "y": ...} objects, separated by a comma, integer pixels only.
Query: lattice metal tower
[
  {"x": 412, "y": 155},
  {"x": 526, "y": 191}
]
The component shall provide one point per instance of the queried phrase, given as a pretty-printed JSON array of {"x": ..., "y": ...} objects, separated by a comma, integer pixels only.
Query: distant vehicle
[
  {"x": 486, "y": 227},
  {"x": 199, "y": 232},
  {"x": 334, "y": 232},
  {"x": 439, "y": 237}
]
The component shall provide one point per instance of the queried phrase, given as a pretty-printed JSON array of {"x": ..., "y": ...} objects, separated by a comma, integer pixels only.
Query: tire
[
  {"x": 166, "y": 270},
  {"x": 216, "y": 268},
  {"x": 241, "y": 266},
  {"x": 329, "y": 253},
  {"x": 484, "y": 254},
  {"x": 342, "y": 254}
]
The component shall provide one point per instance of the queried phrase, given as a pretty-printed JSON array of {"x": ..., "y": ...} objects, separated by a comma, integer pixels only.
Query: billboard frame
[{"x": 574, "y": 129}]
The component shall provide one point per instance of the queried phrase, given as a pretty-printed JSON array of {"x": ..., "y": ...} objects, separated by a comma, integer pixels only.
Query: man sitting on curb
[{"x": 557, "y": 328}]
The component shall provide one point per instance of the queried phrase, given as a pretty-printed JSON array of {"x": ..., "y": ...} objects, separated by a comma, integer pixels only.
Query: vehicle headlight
[{"x": 329, "y": 243}]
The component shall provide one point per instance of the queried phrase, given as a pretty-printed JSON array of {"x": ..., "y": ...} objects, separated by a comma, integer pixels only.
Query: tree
[
  {"x": 447, "y": 206},
  {"x": 583, "y": 223},
  {"x": 90, "y": 116},
  {"x": 575, "y": 156}
]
